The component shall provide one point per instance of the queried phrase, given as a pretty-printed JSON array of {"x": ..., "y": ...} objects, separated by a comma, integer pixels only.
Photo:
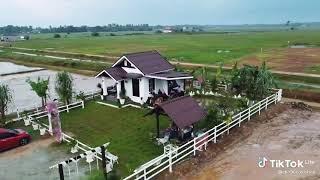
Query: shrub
[
  {"x": 95, "y": 34},
  {"x": 56, "y": 36}
]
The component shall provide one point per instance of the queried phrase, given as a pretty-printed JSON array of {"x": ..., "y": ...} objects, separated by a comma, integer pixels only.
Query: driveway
[{"x": 32, "y": 162}]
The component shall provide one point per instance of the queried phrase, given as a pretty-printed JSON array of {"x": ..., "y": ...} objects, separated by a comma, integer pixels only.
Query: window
[
  {"x": 6, "y": 135},
  {"x": 152, "y": 85}
]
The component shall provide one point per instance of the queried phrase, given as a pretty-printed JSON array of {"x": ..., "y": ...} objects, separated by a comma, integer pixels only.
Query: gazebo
[{"x": 184, "y": 112}]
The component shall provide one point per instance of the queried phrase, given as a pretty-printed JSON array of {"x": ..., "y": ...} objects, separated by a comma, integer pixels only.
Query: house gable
[
  {"x": 149, "y": 62},
  {"x": 128, "y": 66}
]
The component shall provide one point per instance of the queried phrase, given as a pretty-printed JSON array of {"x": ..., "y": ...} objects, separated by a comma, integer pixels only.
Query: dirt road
[{"x": 290, "y": 135}]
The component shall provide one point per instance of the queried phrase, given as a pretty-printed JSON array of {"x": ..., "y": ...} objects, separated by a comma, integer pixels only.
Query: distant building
[
  {"x": 167, "y": 30},
  {"x": 9, "y": 38}
]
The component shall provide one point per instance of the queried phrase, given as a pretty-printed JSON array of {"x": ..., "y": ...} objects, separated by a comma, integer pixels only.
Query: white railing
[{"x": 167, "y": 160}]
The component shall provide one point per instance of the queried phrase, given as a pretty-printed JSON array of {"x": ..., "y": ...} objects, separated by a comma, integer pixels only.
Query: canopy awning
[{"x": 184, "y": 111}]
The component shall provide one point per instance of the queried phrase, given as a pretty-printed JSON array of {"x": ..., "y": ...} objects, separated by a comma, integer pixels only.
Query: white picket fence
[{"x": 168, "y": 159}]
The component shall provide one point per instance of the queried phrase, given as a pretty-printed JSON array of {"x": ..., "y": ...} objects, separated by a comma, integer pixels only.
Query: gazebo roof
[{"x": 184, "y": 111}]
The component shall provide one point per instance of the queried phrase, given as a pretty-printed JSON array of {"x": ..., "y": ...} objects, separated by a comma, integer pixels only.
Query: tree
[
  {"x": 64, "y": 86},
  {"x": 255, "y": 82},
  {"x": 56, "y": 36},
  {"x": 40, "y": 87},
  {"x": 5, "y": 100},
  {"x": 264, "y": 82},
  {"x": 95, "y": 34}
]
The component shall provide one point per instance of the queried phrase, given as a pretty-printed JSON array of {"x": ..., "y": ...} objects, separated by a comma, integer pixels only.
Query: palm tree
[
  {"x": 40, "y": 87},
  {"x": 64, "y": 86},
  {"x": 5, "y": 100}
]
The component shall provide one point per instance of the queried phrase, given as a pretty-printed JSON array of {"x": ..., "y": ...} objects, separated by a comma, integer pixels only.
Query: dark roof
[
  {"x": 172, "y": 74},
  {"x": 184, "y": 111},
  {"x": 118, "y": 73},
  {"x": 149, "y": 62}
]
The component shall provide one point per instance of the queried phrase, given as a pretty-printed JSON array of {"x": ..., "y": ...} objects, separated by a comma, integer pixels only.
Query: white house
[{"x": 140, "y": 76}]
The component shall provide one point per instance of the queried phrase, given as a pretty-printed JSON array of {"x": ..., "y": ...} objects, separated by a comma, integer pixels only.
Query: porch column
[
  {"x": 118, "y": 89},
  {"x": 104, "y": 87}
]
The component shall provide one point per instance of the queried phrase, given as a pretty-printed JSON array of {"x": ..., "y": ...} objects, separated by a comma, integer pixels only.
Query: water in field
[
  {"x": 25, "y": 98},
  {"x": 7, "y": 68}
]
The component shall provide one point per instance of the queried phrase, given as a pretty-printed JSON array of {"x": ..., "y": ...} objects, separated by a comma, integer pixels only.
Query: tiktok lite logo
[{"x": 263, "y": 162}]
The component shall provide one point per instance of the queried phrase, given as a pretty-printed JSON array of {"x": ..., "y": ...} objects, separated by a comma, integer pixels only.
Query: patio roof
[
  {"x": 184, "y": 111},
  {"x": 117, "y": 74},
  {"x": 171, "y": 75}
]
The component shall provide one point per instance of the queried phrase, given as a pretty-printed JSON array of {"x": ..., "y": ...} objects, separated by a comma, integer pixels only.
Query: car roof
[{"x": 2, "y": 130}]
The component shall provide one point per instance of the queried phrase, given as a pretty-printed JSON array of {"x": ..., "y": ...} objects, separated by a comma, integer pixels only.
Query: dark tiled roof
[
  {"x": 117, "y": 73},
  {"x": 149, "y": 62},
  {"x": 172, "y": 74},
  {"x": 184, "y": 111}
]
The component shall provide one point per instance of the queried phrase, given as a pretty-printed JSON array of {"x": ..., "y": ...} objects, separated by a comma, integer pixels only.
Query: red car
[{"x": 10, "y": 138}]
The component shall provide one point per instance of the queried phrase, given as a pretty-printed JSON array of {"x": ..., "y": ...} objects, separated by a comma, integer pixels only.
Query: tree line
[{"x": 14, "y": 30}]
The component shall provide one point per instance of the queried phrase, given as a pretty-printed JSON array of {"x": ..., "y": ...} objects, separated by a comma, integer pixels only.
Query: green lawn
[
  {"x": 196, "y": 48},
  {"x": 129, "y": 133}
]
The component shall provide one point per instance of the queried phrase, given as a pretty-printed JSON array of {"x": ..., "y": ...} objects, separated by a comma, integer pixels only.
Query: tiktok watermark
[{"x": 287, "y": 166}]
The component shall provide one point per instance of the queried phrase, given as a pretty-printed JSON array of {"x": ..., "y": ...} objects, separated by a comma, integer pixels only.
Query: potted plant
[
  {"x": 42, "y": 131},
  {"x": 74, "y": 148},
  {"x": 35, "y": 126},
  {"x": 122, "y": 97}
]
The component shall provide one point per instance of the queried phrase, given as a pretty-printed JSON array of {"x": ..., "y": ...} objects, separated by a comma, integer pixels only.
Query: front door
[{"x": 135, "y": 87}]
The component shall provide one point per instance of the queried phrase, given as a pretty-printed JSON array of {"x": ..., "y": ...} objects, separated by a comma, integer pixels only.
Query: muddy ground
[
  {"x": 287, "y": 59},
  {"x": 32, "y": 162},
  {"x": 282, "y": 133}
]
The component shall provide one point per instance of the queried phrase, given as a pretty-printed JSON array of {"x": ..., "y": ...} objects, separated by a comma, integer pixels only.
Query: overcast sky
[{"x": 165, "y": 12}]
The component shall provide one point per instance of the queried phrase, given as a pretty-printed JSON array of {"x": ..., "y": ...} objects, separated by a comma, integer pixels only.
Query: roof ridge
[
  {"x": 174, "y": 99},
  {"x": 141, "y": 52}
]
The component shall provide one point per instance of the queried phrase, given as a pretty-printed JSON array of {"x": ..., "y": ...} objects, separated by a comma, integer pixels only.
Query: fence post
[
  {"x": 50, "y": 124},
  {"x": 279, "y": 95},
  {"x": 215, "y": 135},
  {"x": 61, "y": 172},
  {"x": 249, "y": 113},
  {"x": 67, "y": 108},
  {"x": 275, "y": 98},
  {"x": 103, "y": 163},
  {"x": 267, "y": 102},
  {"x": 82, "y": 103},
  {"x": 259, "y": 107},
  {"x": 194, "y": 147},
  {"x": 239, "y": 120},
  {"x": 170, "y": 160},
  {"x": 144, "y": 174},
  {"x": 18, "y": 114}
]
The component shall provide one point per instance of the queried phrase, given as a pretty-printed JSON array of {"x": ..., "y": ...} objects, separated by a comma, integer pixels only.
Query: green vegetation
[
  {"x": 5, "y": 100},
  {"x": 40, "y": 87},
  {"x": 253, "y": 81},
  {"x": 131, "y": 135},
  {"x": 207, "y": 48},
  {"x": 64, "y": 86}
]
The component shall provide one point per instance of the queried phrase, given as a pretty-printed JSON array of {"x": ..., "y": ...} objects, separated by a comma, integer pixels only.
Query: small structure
[
  {"x": 184, "y": 113},
  {"x": 139, "y": 76},
  {"x": 9, "y": 38}
]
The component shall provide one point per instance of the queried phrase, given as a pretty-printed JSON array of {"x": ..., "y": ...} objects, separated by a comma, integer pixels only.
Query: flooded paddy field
[
  {"x": 281, "y": 134},
  {"x": 24, "y": 97}
]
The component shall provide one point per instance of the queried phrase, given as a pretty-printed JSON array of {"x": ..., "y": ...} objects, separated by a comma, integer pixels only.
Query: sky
[{"x": 164, "y": 12}]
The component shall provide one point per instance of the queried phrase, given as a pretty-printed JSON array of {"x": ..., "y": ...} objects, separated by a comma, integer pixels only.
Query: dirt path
[
  {"x": 288, "y": 134},
  {"x": 174, "y": 62},
  {"x": 226, "y": 67}
]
